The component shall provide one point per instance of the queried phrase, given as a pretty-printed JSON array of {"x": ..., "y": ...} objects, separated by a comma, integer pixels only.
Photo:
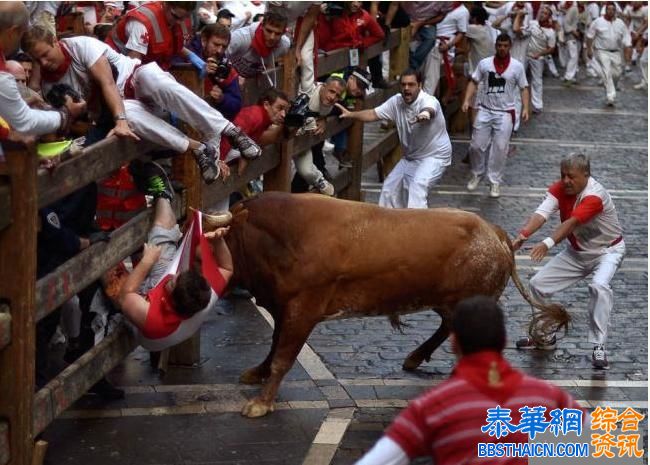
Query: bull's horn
[{"x": 216, "y": 219}]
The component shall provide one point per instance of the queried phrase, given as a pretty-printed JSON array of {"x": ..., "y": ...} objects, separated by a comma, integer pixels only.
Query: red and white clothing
[
  {"x": 145, "y": 30},
  {"x": 164, "y": 327},
  {"x": 455, "y": 21},
  {"x": 148, "y": 91},
  {"x": 595, "y": 246},
  {"x": 501, "y": 82},
  {"x": 445, "y": 423},
  {"x": 357, "y": 30}
]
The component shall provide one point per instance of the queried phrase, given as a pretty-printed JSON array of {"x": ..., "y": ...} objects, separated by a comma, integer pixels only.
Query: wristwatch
[{"x": 120, "y": 117}]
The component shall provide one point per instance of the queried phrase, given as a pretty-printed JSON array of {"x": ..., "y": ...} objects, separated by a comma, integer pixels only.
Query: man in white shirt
[
  {"x": 449, "y": 32},
  {"x": 609, "y": 36},
  {"x": 541, "y": 43},
  {"x": 84, "y": 63},
  {"x": 569, "y": 44},
  {"x": 503, "y": 79},
  {"x": 595, "y": 245},
  {"x": 426, "y": 148},
  {"x": 14, "y": 19}
]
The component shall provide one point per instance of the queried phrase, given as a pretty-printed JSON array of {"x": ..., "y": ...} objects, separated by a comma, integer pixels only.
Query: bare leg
[{"x": 164, "y": 215}]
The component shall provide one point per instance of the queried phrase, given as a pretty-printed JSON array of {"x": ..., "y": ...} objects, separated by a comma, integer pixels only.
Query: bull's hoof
[
  {"x": 255, "y": 408},
  {"x": 252, "y": 376},
  {"x": 412, "y": 362}
]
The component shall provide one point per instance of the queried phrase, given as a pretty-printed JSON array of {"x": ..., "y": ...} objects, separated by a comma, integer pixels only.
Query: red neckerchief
[
  {"x": 258, "y": 44},
  {"x": 490, "y": 374},
  {"x": 57, "y": 74},
  {"x": 501, "y": 64}
]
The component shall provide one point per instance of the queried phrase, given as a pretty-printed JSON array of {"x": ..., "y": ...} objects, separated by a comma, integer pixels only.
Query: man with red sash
[
  {"x": 13, "y": 109},
  {"x": 590, "y": 223},
  {"x": 450, "y": 31},
  {"x": 502, "y": 78},
  {"x": 449, "y": 421},
  {"x": 169, "y": 293}
]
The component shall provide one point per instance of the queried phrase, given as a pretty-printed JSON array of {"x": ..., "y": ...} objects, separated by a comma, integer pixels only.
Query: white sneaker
[
  {"x": 473, "y": 183},
  {"x": 325, "y": 187},
  {"x": 641, "y": 85},
  {"x": 495, "y": 191}
]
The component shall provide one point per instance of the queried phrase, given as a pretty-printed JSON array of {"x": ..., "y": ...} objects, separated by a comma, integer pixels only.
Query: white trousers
[
  {"x": 610, "y": 64},
  {"x": 572, "y": 47},
  {"x": 568, "y": 267},
  {"x": 491, "y": 131},
  {"x": 306, "y": 168},
  {"x": 150, "y": 127},
  {"x": 307, "y": 63},
  {"x": 159, "y": 90},
  {"x": 431, "y": 68},
  {"x": 408, "y": 184},
  {"x": 643, "y": 65},
  {"x": 536, "y": 85}
]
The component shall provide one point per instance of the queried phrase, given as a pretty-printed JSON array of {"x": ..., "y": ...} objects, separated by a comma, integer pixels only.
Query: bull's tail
[{"x": 548, "y": 319}]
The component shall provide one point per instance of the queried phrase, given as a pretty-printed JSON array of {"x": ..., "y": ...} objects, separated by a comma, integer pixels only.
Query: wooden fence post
[
  {"x": 184, "y": 169},
  {"x": 18, "y": 288},
  {"x": 279, "y": 178}
]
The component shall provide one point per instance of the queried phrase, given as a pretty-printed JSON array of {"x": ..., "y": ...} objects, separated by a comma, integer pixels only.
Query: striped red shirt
[{"x": 445, "y": 423}]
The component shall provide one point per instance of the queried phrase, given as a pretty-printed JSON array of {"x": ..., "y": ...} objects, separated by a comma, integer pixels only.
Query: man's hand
[
  {"x": 415, "y": 27},
  {"x": 225, "y": 170},
  {"x": 524, "y": 115},
  {"x": 217, "y": 233},
  {"x": 465, "y": 107},
  {"x": 211, "y": 66},
  {"x": 298, "y": 56},
  {"x": 345, "y": 113},
  {"x": 539, "y": 252},
  {"x": 122, "y": 129},
  {"x": 216, "y": 94},
  {"x": 590, "y": 53},
  {"x": 518, "y": 242},
  {"x": 151, "y": 254},
  {"x": 321, "y": 125},
  {"x": 99, "y": 236}
]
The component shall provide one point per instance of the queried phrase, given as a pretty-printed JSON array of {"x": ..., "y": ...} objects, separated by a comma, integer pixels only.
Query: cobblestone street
[{"x": 349, "y": 384}]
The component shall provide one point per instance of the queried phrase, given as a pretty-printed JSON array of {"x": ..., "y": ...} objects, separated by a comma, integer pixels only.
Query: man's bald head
[
  {"x": 16, "y": 70},
  {"x": 13, "y": 14},
  {"x": 14, "y": 20}
]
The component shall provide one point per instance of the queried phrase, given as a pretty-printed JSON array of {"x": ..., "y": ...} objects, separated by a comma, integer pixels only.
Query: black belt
[{"x": 605, "y": 50}]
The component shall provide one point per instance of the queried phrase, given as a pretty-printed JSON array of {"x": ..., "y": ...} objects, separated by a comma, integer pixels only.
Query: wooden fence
[{"x": 24, "y": 300}]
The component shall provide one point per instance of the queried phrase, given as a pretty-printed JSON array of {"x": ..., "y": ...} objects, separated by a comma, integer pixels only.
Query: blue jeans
[
  {"x": 340, "y": 141},
  {"x": 427, "y": 37}
]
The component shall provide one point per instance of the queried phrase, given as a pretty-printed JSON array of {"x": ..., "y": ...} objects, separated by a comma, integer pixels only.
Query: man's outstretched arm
[{"x": 367, "y": 116}]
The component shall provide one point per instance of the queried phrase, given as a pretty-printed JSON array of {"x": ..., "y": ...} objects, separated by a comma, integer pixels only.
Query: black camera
[
  {"x": 299, "y": 112},
  {"x": 334, "y": 9},
  {"x": 57, "y": 95},
  {"x": 223, "y": 68}
]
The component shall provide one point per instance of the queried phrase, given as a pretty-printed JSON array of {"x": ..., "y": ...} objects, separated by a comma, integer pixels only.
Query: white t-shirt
[
  {"x": 499, "y": 91},
  {"x": 481, "y": 43},
  {"x": 454, "y": 22},
  {"x": 419, "y": 140},
  {"x": 636, "y": 16},
  {"x": 84, "y": 52},
  {"x": 540, "y": 39},
  {"x": 609, "y": 35}
]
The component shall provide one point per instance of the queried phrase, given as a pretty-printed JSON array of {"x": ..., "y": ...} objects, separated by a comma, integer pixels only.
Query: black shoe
[
  {"x": 206, "y": 159},
  {"x": 151, "y": 179},
  {"x": 106, "y": 390},
  {"x": 246, "y": 146},
  {"x": 599, "y": 358}
]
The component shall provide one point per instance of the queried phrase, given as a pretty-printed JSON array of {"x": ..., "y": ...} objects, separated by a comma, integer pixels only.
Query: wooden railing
[{"x": 24, "y": 300}]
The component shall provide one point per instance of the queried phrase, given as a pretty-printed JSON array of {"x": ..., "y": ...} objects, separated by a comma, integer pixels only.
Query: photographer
[
  {"x": 221, "y": 85},
  {"x": 309, "y": 112}
]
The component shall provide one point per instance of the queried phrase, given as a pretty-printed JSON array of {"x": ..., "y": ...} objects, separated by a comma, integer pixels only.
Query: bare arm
[
  {"x": 221, "y": 252},
  {"x": 392, "y": 11},
  {"x": 535, "y": 222},
  {"x": 561, "y": 232},
  {"x": 469, "y": 94},
  {"x": 140, "y": 272},
  {"x": 525, "y": 97},
  {"x": 101, "y": 73},
  {"x": 367, "y": 116},
  {"x": 308, "y": 22}
]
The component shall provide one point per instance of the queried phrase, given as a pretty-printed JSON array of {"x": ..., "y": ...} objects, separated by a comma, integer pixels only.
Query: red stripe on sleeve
[{"x": 588, "y": 208}]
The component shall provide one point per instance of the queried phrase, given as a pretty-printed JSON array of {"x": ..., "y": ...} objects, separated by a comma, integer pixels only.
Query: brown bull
[{"x": 309, "y": 258}]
